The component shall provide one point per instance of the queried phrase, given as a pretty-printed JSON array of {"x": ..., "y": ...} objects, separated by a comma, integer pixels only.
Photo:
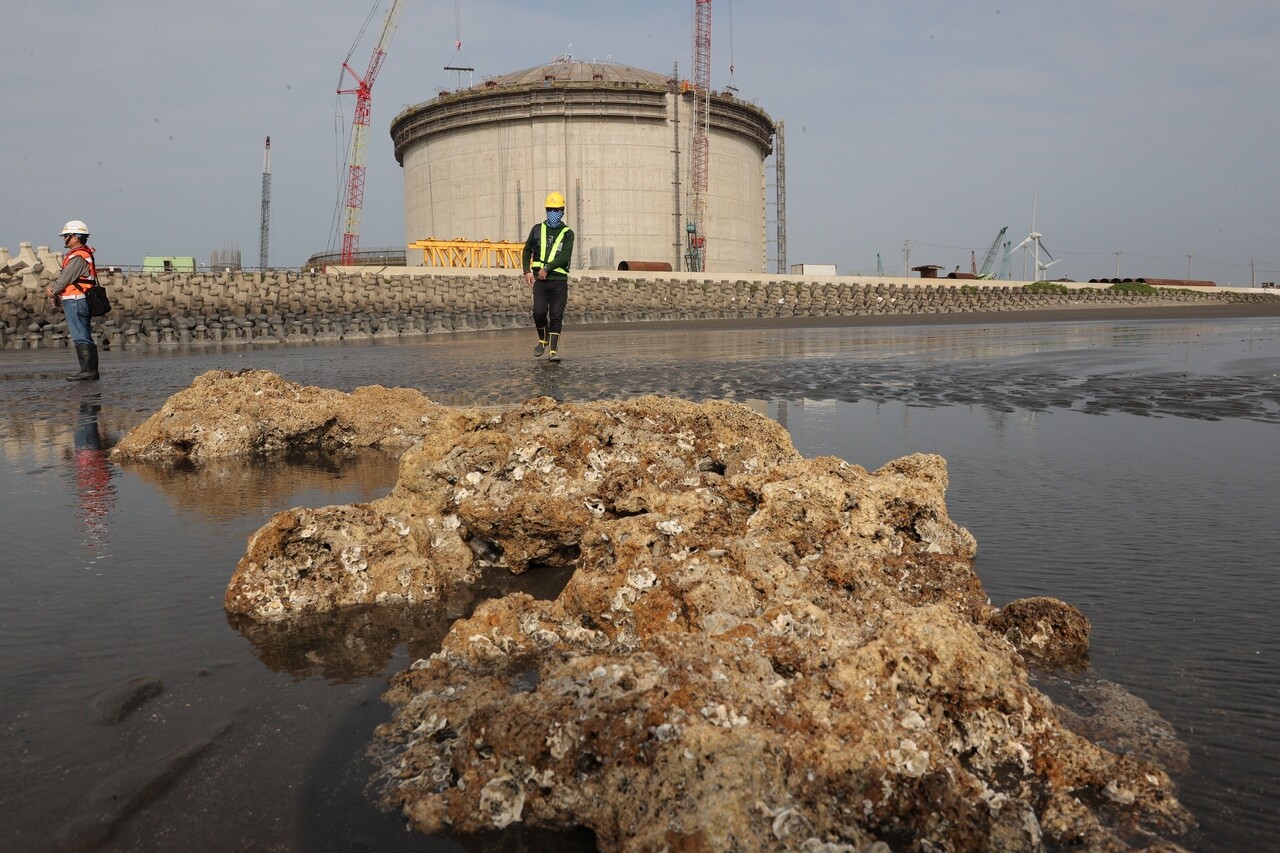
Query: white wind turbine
[{"x": 1033, "y": 239}]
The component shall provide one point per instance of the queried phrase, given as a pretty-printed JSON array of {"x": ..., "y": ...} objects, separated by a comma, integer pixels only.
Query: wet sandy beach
[{"x": 1120, "y": 459}]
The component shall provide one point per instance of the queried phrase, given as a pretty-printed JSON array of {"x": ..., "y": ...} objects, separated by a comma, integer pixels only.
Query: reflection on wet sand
[
  {"x": 46, "y": 439},
  {"x": 94, "y": 488},
  {"x": 351, "y": 643},
  {"x": 223, "y": 489}
]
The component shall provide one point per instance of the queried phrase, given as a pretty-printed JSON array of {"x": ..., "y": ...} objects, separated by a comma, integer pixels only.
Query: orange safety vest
[{"x": 84, "y": 282}]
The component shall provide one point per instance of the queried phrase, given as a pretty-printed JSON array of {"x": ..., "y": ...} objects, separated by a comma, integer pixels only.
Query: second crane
[{"x": 360, "y": 132}]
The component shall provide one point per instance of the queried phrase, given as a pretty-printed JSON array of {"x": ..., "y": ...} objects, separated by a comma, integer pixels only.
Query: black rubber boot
[
  {"x": 552, "y": 346},
  {"x": 88, "y": 357},
  {"x": 542, "y": 343}
]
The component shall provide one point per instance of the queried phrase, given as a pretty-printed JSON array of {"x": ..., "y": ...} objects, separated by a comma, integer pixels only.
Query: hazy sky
[{"x": 1145, "y": 127}]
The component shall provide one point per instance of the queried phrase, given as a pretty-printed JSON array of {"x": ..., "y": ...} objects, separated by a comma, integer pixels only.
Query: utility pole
[
  {"x": 906, "y": 258},
  {"x": 780, "y": 188},
  {"x": 1253, "y": 272},
  {"x": 1117, "y": 264},
  {"x": 1188, "y": 266}
]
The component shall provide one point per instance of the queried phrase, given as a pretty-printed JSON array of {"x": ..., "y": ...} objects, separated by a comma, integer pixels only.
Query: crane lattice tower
[
  {"x": 264, "y": 238},
  {"x": 360, "y": 134},
  {"x": 697, "y": 229}
]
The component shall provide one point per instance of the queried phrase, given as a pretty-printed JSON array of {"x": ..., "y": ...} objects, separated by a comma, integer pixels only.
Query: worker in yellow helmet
[{"x": 545, "y": 261}]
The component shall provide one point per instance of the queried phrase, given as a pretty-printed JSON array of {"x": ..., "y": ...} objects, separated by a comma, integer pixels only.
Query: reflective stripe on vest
[
  {"x": 84, "y": 282},
  {"x": 543, "y": 257}
]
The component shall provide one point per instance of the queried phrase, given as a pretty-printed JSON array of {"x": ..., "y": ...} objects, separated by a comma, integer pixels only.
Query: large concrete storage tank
[{"x": 614, "y": 139}]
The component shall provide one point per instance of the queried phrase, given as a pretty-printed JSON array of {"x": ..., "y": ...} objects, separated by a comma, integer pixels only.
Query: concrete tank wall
[{"x": 479, "y": 163}]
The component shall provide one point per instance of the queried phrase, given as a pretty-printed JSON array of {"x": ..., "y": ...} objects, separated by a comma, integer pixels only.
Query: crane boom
[
  {"x": 360, "y": 132},
  {"x": 1003, "y": 274},
  {"x": 984, "y": 271},
  {"x": 696, "y": 260}
]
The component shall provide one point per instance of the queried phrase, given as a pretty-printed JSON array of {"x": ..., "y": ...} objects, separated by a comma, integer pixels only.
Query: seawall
[{"x": 170, "y": 308}]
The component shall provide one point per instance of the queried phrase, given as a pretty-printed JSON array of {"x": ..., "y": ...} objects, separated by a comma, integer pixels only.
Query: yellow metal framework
[{"x": 472, "y": 254}]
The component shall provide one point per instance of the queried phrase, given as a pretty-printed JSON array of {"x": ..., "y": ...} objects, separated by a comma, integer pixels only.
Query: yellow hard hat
[{"x": 555, "y": 201}]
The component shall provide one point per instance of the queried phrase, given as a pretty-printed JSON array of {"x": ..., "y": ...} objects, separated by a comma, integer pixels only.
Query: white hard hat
[{"x": 75, "y": 226}]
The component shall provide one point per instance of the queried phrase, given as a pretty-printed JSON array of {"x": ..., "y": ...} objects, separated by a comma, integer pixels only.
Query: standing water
[{"x": 1129, "y": 468}]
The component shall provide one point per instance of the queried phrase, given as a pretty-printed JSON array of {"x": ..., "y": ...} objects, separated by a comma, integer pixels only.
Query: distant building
[
  {"x": 155, "y": 263},
  {"x": 813, "y": 269},
  {"x": 227, "y": 258}
]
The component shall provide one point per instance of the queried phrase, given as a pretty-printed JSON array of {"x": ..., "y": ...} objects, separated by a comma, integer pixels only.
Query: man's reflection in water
[{"x": 93, "y": 475}]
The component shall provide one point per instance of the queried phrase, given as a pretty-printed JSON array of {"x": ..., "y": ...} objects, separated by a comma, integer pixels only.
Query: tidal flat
[{"x": 1125, "y": 465}]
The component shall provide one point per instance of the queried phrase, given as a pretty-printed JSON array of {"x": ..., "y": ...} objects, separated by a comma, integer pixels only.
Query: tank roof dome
[{"x": 573, "y": 71}]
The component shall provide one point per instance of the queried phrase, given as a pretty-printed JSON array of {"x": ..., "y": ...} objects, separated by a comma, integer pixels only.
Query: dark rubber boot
[
  {"x": 542, "y": 343},
  {"x": 88, "y": 357},
  {"x": 554, "y": 344}
]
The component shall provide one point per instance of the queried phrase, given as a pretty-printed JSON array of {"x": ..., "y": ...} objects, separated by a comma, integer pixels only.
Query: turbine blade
[{"x": 1046, "y": 251}]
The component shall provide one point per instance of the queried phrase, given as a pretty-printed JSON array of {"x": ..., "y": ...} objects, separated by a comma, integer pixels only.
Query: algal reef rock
[
  {"x": 755, "y": 651},
  {"x": 225, "y": 414}
]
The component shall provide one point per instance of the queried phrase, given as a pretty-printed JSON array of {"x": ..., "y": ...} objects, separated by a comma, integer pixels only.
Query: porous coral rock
[
  {"x": 755, "y": 650},
  {"x": 1047, "y": 632},
  {"x": 309, "y": 561},
  {"x": 227, "y": 414}
]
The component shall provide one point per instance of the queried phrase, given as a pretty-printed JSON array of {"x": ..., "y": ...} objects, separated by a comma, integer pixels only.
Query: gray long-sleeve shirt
[{"x": 75, "y": 268}]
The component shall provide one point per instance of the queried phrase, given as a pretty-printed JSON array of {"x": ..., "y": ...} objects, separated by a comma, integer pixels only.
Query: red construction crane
[
  {"x": 696, "y": 228},
  {"x": 360, "y": 132}
]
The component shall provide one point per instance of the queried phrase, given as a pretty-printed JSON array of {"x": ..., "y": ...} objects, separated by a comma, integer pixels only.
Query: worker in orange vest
[{"x": 77, "y": 276}]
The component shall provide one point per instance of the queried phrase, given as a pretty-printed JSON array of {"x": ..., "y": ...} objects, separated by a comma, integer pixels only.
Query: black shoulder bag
[{"x": 96, "y": 296}]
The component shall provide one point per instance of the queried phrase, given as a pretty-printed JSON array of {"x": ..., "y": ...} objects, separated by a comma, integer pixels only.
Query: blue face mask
[{"x": 555, "y": 217}]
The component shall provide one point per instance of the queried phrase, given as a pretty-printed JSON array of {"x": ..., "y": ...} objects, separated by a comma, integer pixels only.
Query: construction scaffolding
[{"x": 469, "y": 254}]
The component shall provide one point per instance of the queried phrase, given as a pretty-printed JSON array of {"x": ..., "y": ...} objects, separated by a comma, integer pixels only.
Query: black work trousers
[{"x": 549, "y": 299}]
